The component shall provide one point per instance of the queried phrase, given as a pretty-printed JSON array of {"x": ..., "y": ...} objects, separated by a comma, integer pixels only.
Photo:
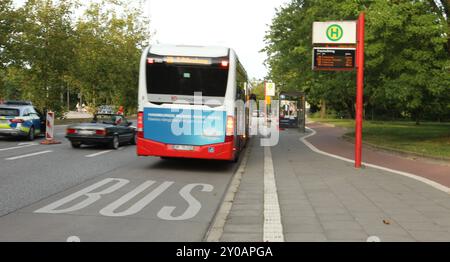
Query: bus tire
[{"x": 236, "y": 158}]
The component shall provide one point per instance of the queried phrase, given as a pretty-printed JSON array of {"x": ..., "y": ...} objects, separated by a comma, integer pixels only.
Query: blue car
[{"x": 21, "y": 119}]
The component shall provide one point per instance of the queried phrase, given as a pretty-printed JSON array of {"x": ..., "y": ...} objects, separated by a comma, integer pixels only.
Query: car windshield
[{"x": 9, "y": 112}]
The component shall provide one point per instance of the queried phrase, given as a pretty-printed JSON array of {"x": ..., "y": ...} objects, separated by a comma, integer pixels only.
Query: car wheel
[
  {"x": 115, "y": 142},
  {"x": 75, "y": 144},
  {"x": 30, "y": 136}
]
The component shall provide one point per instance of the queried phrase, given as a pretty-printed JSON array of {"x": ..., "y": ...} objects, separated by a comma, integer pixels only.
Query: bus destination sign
[{"x": 330, "y": 59}]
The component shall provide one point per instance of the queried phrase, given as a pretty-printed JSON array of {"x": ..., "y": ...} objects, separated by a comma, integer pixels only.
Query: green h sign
[{"x": 335, "y": 32}]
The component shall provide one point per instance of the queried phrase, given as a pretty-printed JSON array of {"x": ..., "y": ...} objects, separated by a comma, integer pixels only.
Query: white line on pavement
[
  {"x": 273, "y": 229},
  {"x": 416, "y": 177},
  {"x": 98, "y": 153},
  {"x": 17, "y": 147},
  {"x": 29, "y": 155}
]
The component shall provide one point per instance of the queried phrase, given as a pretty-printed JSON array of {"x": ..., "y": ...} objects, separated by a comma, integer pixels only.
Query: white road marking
[
  {"x": 98, "y": 153},
  {"x": 373, "y": 239},
  {"x": 416, "y": 177},
  {"x": 273, "y": 229},
  {"x": 90, "y": 195},
  {"x": 26, "y": 143},
  {"x": 29, "y": 155},
  {"x": 216, "y": 230},
  {"x": 194, "y": 207},
  {"x": 73, "y": 239},
  {"x": 21, "y": 145}
]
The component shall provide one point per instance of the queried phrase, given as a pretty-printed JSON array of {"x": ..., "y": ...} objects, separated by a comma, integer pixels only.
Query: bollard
[{"x": 49, "y": 138}]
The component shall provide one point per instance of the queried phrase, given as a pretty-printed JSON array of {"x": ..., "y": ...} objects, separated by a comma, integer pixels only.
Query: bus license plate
[{"x": 183, "y": 147}]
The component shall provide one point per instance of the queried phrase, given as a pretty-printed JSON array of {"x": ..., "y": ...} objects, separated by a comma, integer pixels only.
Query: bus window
[{"x": 175, "y": 79}]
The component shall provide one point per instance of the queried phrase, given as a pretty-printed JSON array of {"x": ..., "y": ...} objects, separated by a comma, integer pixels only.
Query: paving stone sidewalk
[{"x": 325, "y": 199}]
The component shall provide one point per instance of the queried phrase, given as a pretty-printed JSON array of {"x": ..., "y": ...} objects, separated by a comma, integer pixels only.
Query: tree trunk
[{"x": 323, "y": 109}]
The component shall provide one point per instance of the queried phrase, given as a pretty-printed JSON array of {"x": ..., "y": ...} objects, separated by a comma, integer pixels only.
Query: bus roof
[{"x": 189, "y": 50}]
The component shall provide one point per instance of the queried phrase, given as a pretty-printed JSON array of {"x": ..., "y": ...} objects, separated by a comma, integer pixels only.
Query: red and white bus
[{"x": 192, "y": 103}]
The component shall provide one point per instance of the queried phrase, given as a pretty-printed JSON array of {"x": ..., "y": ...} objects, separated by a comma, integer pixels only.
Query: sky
[{"x": 239, "y": 24}]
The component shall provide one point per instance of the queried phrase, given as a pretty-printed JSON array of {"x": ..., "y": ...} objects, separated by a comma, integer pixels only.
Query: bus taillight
[
  {"x": 230, "y": 126},
  {"x": 140, "y": 124}
]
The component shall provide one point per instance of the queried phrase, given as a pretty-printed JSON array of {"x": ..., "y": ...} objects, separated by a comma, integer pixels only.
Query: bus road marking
[
  {"x": 29, "y": 155},
  {"x": 89, "y": 195}
]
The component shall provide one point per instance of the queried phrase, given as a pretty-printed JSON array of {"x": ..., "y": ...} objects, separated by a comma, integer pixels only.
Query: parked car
[
  {"x": 106, "y": 129},
  {"x": 21, "y": 119}
]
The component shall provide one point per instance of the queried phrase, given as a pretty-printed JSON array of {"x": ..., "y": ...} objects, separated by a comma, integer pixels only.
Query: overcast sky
[{"x": 240, "y": 24}]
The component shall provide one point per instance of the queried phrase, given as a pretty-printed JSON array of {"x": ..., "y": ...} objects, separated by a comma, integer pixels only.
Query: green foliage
[
  {"x": 53, "y": 53},
  {"x": 407, "y": 63},
  {"x": 428, "y": 139}
]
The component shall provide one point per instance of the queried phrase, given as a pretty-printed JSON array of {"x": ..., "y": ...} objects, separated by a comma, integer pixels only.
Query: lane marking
[
  {"x": 29, "y": 155},
  {"x": 73, "y": 239},
  {"x": 21, "y": 145},
  {"x": 98, "y": 153},
  {"x": 406, "y": 174},
  {"x": 216, "y": 229},
  {"x": 273, "y": 229},
  {"x": 26, "y": 143}
]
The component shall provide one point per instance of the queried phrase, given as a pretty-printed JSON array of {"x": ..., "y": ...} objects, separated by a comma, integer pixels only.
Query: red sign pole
[{"x": 359, "y": 91}]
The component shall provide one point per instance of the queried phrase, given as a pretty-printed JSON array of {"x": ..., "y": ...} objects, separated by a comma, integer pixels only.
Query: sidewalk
[{"x": 326, "y": 199}]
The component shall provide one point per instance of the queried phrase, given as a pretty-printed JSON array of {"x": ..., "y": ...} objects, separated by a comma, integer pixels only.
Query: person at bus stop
[{"x": 120, "y": 112}]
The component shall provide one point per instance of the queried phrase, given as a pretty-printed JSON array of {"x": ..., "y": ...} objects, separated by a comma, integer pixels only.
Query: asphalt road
[{"x": 53, "y": 192}]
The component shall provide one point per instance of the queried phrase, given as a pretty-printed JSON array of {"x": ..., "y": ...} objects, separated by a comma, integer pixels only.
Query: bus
[{"x": 192, "y": 103}]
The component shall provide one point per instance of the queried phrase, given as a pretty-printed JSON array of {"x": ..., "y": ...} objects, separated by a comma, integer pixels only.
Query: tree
[
  {"x": 406, "y": 60},
  {"x": 108, "y": 51},
  {"x": 6, "y": 29},
  {"x": 45, "y": 51}
]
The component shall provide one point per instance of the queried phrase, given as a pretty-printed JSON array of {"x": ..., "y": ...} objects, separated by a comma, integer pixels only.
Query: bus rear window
[
  {"x": 9, "y": 112},
  {"x": 176, "y": 79}
]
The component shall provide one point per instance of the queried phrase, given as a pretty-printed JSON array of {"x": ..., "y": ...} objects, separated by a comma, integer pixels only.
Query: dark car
[
  {"x": 21, "y": 119},
  {"x": 107, "y": 129}
]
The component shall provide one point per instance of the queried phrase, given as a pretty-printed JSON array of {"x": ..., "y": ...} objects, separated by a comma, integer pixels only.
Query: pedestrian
[
  {"x": 120, "y": 112},
  {"x": 78, "y": 106}
]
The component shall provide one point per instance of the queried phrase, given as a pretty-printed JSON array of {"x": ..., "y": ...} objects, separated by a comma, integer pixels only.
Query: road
[
  {"x": 290, "y": 191},
  {"x": 118, "y": 196}
]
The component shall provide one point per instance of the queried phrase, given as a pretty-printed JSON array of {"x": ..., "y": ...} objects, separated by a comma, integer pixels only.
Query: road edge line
[
  {"x": 215, "y": 230},
  {"x": 427, "y": 181}
]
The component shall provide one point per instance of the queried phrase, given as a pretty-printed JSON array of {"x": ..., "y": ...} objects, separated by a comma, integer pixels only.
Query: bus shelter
[{"x": 292, "y": 110}]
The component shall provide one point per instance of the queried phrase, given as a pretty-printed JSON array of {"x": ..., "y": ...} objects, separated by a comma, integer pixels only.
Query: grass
[{"x": 427, "y": 139}]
